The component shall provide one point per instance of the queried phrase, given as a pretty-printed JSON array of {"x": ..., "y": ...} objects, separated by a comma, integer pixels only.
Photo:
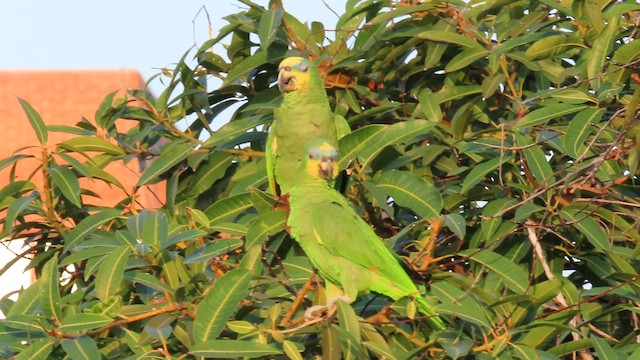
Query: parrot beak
[
  {"x": 286, "y": 80},
  {"x": 327, "y": 168}
]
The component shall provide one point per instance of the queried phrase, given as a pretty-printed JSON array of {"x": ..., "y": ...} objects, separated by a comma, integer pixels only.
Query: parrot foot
[
  {"x": 330, "y": 308},
  {"x": 283, "y": 200}
]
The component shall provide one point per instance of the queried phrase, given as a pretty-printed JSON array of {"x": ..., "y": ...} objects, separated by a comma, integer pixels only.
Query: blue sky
[{"x": 141, "y": 34}]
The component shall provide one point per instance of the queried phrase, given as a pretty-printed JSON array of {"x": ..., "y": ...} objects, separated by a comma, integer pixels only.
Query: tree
[{"x": 495, "y": 148}]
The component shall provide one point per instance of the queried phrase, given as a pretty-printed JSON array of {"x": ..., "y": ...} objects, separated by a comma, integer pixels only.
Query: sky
[{"x": 146, "y": 35}]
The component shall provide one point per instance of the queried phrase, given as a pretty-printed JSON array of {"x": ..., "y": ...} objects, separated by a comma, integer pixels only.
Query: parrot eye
[{"x": 304, "y": 68}]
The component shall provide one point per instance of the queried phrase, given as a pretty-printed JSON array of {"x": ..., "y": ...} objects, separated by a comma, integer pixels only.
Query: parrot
[
  {"x": 304, "y": 114},
  {"x": 344, "y": 249}
]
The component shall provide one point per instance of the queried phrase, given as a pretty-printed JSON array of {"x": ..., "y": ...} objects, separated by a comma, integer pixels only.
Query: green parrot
[
  {"x": 341, "y": 246},
  {"x": 304, "y": 114}
]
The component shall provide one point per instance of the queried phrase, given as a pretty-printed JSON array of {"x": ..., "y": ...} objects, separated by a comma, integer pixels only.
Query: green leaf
[
  {"x": 544, "y": 114},
  {"x": 479, "y": 172},
  {"x": 32, "y": 324},
  {"x": 218, "y": 305},
  {"x": 589, "y": 227},
  {"x": 349, "y": 332},
  {"x": 245, "y": 66},
  {"x": 400, "y": 132},
  {"x": 605, "y": 351},
  {"x": 83, "y": 144},
  {"x": 15, "y": 209},
  {"x": 65, "y": 180},
  {"x": 49, "y": 290},
  {"x": 536, "y": 160},
  {"x": 411, "y": 191},
  {"x": 81, "y": 348},
  {"x": 87, "y": 226},
  {"x": 356, "y": 142},
  {"x": 572, "y": 96},
  {"x": 39, "y": 349},
  {"x": 465, "y": 58},
  {"x": 36, "y": 121},
  {"x": 579, "y": 129},
  {"x": 460, "y": 303},
  {"x": 11, "y": 160},
  {"x": 625, "y": 54},
  {"x": 155, "y": 228},
  {"x": 380, "y": 350},
  {"x": 291, "y": 350},
  {"x": 491, "y": 84},
  {"x": 207, "y": 174},
  {"x": 111, "y": 273},
  {"x": 551, "y": 46},
  {"x": 267, "y": 224},
  {"x": 457, "y": 224},
  {"x": 212, "y": 250},
  {"x": 602, "y": 46},
  {"x": 191, "y": 234},
  {"x": 27, "y": 301},
  {"x": 228, "y": 208},
  {"x": 512, "y": 275},
  {"x": 169, "y": 156},
  {"x": 430, "y": 106},
  {"x": 490, "y": 225},
  {"x": 83, "y": 322},
  {"x": 268, "y": 27},
  {"x": 449, "y": 37},
  {"x": 148, "y": 280},
  {"x": 225, "y": 349}
]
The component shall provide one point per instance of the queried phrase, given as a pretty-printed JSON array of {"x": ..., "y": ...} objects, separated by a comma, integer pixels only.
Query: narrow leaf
[
  {"x": 267, "y": 224},
  {"x": 155, "y": 228},
  {"x": 49, "y": 290},
  {"x": 226, "y": 349},
  {"x": 111, "y": 273},
  {"x": 579, "y": 129},
  {"x": 535, "y": 160},
  {"x": 479, "y": 172},
  {"x": 65, "y": 180},
  {"x": 81, "y": 348},
  {"x": 36, "y": 121},
  {"x": 602, "y": 46},
  {"x": 218, "y": 305},
  {"x": 542, "y": 115},
  {"x": 457, "y": 224},
  {"x": 228, "y": 208},
  {"x": 589, "y": 227},
  {"x": 411, "y": 191},
  {"x": 509, "y": 272},
  {"x": 83, "y": 144},
  {"x": 466, "y": 58},
  {"x": 169, "y": 157},
  {"x": 15, "y": 209},
  {"x": 39, "y": 349},
  {"x": 87, "y": 226},
  {"x": 268, "y": 26},
  {"x": 217, "y": 248},
  {"x": 430, "y": 106},
  {"x": 83, "y": 322}
]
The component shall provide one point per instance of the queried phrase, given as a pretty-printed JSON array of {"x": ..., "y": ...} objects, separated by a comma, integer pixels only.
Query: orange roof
[{"x": 64, "y": 97}]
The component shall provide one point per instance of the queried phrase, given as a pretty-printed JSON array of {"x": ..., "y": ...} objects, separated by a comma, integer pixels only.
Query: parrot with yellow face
[
  {"x": 304, "y": 114},
  {"x": 347, "y": 253}
]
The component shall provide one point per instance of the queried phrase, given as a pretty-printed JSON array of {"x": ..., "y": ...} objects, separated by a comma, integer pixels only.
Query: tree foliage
[{"x": 494, "y": 148}]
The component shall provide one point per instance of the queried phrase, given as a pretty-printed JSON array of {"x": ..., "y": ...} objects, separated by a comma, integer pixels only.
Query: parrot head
[
  {"x": 322, "y": 160},
  {"x": 294, "y": 73}
]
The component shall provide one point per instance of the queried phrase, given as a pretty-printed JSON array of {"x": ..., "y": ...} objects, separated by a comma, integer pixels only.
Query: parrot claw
[
  {"x": 330, "y": 308},
  {"x": 315, "y": 312}
]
